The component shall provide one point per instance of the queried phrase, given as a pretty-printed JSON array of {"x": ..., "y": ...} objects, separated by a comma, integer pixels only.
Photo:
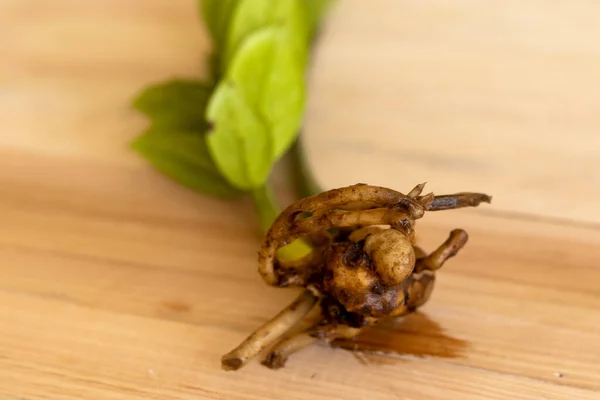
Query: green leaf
[
  {"x": 176, "y": 103},
  {"x": 239, "y": 142},
  {"x": 264, "y": 91},
  {"x": 217, "y": 15},
  {"x": 270, "y": 76},
  {"x": 183, "y": 156},
  {"x": 253, "y": 15}
]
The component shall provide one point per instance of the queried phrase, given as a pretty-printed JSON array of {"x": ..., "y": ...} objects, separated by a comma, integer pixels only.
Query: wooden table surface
[{"x": 115, "y": 283}]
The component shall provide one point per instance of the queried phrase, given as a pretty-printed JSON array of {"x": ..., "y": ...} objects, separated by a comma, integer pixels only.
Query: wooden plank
[
  {"x": 507, "y": 305},
  {"x": 466, "y": 95},
  {"x": 57, "y": 350},
  {"x": 71, "y": 69},
  {"x": 117, "y": 283}
]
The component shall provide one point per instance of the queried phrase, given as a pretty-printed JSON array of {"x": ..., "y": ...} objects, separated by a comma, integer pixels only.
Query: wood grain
[
  {"x": 466, "y": 95},
  {"x": 115, "y": 283}
]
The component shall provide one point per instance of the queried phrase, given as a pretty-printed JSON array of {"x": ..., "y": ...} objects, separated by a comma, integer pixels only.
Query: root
[
  {"x": 279, "y": 355},
  {"x": 458, "y": 200},
  {"x": 271, "y": 331},
  {"x": 364, "y": 266},
  {"x": 350, "y": 219},
  {"x": 434, "y": 261},
  {"x": 357, "y": 197}
]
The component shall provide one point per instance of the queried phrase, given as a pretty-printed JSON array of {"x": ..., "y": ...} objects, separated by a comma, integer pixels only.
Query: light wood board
[
  {"x": 115, "y": 283},
  {"x": 466, "y": 95}
]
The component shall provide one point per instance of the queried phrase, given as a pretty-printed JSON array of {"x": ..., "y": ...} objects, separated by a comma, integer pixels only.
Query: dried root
[
  {"x": 365, "y": 265},
  {"x": 270, "y": 332},
  {"x": 359, "y": 197}
]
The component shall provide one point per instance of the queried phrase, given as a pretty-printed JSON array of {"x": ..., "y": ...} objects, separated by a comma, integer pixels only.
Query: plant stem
[
  {"x": 305, "y": 180},
  {"x": 266, "y": 206}
]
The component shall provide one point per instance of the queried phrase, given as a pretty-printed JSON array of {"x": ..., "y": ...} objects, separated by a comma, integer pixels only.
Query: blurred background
[
  {"x": 494, "y": 97},
  {"x": 467, "y": 95},
  {"x": 70, "y": 70}
]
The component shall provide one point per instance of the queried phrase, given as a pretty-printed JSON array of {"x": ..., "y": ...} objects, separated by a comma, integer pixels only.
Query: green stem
[
  {"x": 268, "y": 210},
  {"x": 305, "y": 180},
  {"x": 266, "y": 206}
]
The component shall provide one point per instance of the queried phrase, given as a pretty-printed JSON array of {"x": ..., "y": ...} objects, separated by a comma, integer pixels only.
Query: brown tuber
[
  {"x": 392, "y": 255},
  {"x": 365, "y": 266}
]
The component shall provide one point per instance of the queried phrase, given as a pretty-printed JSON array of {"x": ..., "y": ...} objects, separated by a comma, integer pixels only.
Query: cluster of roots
[{"x": 365, "y": 266}]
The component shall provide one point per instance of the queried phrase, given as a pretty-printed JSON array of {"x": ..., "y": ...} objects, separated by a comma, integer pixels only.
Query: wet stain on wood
[{"x": 415, "y": 335}]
